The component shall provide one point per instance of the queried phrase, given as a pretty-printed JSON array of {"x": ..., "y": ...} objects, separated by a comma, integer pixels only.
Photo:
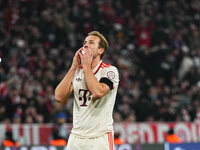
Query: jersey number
[{"x": 84, "y": 98}]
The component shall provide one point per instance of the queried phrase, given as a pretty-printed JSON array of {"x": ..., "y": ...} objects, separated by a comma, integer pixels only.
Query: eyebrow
[{"x": 88, "y": 41}]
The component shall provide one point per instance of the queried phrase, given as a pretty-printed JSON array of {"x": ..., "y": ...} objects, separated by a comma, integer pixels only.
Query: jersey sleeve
[{"x": 111, "y": 73}]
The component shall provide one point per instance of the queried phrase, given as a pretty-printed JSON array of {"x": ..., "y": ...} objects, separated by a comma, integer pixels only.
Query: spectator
[
  {"x": 172, "y": 137},
  {"x": 56, "y": 139},
  {"x": 117, "y": 139},
  {"x": 155, "y": 45},
  {"x": 17, "y": 119},
  {"x": 60, "y": 125},
  {"x": 9, "y": 141}
]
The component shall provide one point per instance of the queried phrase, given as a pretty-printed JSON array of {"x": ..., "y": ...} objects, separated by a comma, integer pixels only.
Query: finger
[
  {"x": 80, "y": 49},
  {"x": 91, "y": 54},
  {"x": 80, "y": 55},
  {"x": 77, "y": 52}
]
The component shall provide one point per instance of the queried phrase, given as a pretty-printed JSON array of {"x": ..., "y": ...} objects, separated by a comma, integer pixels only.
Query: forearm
[
  {"x": 64, "y": 88},
  {"x": 96, "y": 88}
]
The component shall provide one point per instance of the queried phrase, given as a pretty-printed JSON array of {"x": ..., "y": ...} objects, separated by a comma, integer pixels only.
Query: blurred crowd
[{"x": 154, "y": 44}]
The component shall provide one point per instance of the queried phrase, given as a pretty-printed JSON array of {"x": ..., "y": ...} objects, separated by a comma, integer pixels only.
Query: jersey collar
[{"x": 96, "y": 69}]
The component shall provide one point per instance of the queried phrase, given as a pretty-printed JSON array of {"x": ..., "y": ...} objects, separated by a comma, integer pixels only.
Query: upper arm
[
  {"x": 109, "y": 80},
  {"x": 64, "y": 99},
  {"x": 71, "y": 89},
  {"x": 105, "y": 87},
  {"x": 110, "y": 77}
]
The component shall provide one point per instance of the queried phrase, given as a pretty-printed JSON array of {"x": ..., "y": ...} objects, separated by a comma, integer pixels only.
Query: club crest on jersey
[
  {"x": 78, "y": 79},
  {"x": 111, "y": 75}
]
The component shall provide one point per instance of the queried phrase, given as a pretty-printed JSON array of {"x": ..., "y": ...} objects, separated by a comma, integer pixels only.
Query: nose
[{"x": 85, "y": 46}]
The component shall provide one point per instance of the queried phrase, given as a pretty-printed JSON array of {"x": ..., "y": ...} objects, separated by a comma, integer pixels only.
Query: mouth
[{"x": 82, "y": 52}]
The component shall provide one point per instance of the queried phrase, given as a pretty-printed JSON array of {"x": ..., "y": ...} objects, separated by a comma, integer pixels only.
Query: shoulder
[
  {"x": 105, "y": 65},
  {"x": 108, "y": 67},
  {"x": 109, "y": 71}
]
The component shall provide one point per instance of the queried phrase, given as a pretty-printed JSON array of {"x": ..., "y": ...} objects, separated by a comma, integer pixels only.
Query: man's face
[{"x": 91, "y": 44}]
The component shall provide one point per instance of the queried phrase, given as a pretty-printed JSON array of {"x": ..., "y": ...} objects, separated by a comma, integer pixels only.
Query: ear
[{"x": 101, "y": 51}]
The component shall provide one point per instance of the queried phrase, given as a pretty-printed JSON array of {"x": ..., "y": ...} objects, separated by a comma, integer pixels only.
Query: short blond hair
[{"x": 103, "y": 43}]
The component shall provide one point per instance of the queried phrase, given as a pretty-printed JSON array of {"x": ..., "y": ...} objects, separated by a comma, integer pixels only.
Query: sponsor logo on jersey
[{"x": 78, "y": 79}]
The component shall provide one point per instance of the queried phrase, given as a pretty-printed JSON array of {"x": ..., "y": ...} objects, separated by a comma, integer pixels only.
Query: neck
[{"x": 95, "y": 62}]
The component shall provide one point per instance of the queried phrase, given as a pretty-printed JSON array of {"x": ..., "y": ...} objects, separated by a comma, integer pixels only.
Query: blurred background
[{"x": 154, "y": 44}]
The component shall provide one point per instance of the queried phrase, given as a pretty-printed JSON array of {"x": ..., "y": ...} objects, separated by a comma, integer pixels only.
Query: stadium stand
[{"x": 155, "y": 45}]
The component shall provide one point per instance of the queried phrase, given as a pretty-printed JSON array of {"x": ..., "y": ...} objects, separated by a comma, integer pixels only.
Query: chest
[
  {"x": 82, "y": 94},
  {"x": 79, "y": 81}
]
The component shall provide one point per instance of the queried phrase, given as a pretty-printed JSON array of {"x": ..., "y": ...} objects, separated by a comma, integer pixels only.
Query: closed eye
[{"x": 91, "y": 42}]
